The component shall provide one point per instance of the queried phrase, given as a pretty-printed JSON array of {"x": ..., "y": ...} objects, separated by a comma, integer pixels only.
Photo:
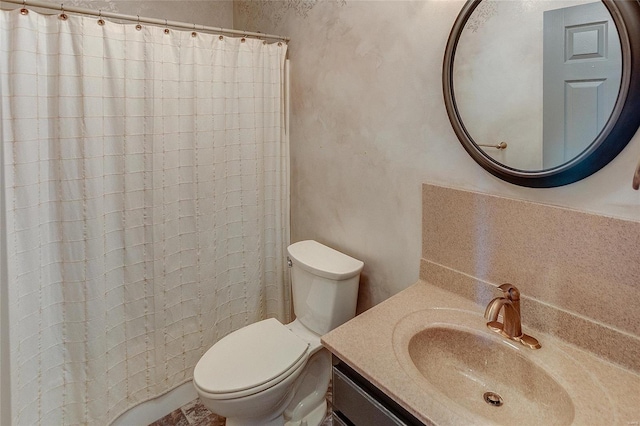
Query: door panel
[{"x": 582, "y": 62}]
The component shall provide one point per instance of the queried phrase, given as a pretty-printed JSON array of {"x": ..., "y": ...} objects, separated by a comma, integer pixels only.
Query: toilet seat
[{"x": 250, "y": 360}]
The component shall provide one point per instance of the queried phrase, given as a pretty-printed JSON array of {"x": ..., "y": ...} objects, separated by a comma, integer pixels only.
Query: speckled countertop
[{"x": 601, "y": 392}]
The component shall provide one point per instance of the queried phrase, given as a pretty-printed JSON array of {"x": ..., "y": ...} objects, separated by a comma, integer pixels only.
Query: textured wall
[
  {"x": 369, "y": 127},
  {"x": 216, "y": 13}
]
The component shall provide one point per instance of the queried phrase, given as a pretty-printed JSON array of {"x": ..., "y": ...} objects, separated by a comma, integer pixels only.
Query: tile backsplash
[{"x": 579, "y": 273}]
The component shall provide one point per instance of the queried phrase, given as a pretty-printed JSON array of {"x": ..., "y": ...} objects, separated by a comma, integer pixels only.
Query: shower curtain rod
[{"x": 154, "y": 21}]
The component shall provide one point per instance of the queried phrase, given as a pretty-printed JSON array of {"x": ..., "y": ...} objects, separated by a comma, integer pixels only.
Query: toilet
[{"x": 269, "y": 373}]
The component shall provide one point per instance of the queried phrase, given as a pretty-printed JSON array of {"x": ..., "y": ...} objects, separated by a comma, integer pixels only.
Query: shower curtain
[{"x": 145, "y": 177}]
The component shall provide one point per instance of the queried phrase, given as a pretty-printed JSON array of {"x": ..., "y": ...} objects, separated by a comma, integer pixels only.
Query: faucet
[{"x": 511, "y": 326}]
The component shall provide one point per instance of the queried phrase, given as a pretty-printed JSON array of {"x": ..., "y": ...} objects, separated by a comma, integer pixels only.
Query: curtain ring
[
  {"x": 166, "y": 30},
  {"x": 63, "y": 16},
  {"x": 24, "y": 10},
  {"x": 138, "y": 26},
  {"x": 100, "y": 20},
  {"x": 243, "y": 39}
]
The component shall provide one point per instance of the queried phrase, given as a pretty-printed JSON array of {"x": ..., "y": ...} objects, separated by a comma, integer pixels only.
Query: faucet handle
[{"x": 511, "y": 292}]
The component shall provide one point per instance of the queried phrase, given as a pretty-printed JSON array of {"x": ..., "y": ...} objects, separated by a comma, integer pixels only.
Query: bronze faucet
[{"x": 511, "y": 326}]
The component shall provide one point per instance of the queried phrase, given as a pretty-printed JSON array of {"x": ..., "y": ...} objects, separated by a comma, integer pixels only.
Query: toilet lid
[{"x": 249, "y": 357}]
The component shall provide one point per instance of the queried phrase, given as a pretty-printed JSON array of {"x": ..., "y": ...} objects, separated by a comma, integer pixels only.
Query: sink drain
[{"x": 493, "y": 398}]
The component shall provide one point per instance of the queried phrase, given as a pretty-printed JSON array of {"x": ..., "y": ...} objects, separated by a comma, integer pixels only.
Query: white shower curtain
[{"x": 146, "y": 189}]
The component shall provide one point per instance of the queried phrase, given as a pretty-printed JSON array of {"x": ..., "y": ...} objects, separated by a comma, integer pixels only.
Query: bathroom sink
[
  {"x": 430, "y": 351},
  {"x": 457, "y": 359},
  {"x": 489, "y": 378}
]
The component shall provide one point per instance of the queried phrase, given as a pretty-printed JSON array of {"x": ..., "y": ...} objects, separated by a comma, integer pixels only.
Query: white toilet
[{"x": 268, "y": 373}]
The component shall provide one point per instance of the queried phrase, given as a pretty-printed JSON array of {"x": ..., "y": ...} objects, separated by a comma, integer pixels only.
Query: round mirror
[{"x": 542, "y": 93}]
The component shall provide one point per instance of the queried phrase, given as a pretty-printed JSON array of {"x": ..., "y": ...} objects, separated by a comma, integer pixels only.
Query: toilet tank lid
[{"x": 324, "y": 261}]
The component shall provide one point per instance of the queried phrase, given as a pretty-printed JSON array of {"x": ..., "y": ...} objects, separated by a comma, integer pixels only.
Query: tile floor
[
  {"x": 195, "y": 414},
  {"x": 191, "y": 414}
]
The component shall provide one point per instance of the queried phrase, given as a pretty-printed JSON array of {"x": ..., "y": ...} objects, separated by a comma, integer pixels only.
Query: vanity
[
  {"x": 438, "y": 352},
  {"x": 425, "y": 356},
  {"x": 435, "y": 353}
]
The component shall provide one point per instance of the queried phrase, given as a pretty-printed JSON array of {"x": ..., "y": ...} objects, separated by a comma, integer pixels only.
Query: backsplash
[{"x": 578, "y": 272}]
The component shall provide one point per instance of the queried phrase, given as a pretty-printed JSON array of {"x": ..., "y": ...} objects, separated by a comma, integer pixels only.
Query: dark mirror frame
[{"x": 616, "y": 134}]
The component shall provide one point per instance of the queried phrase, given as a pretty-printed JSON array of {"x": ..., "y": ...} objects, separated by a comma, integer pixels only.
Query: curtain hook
[
  {"x": 100, "y": 20},
  {"x": 166, "y": 29},
  {"x": 24, "y": 10},
  {"x": 193, "y": 34},
  {"x": 138, "y": 26},
  {"x": 63, "y": 16}
]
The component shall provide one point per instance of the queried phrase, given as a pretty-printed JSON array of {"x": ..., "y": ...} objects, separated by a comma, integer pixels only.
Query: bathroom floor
[
  {"x": 195, "y": 414},
  {"x": 191, "y": 414}
]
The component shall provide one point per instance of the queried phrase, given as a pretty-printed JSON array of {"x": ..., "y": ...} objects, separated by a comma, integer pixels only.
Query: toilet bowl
[{"x": 268, "y": 373}]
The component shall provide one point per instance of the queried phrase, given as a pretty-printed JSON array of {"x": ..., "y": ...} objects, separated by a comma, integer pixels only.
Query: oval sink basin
[
  {"x": 489, "y": 378},
  {"x": 495, "y": 381}
]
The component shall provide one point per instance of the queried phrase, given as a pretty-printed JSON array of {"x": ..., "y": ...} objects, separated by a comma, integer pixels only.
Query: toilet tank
[{"x": 325, "y": 285}]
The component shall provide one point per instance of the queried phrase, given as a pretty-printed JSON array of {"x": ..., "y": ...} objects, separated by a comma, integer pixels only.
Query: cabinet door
[
  {"x": 358, "y": 402},
  {"x": 358, "y": 406}
]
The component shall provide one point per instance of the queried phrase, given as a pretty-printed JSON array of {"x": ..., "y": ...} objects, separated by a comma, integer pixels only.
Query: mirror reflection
[{"x": 546, "y": 93}]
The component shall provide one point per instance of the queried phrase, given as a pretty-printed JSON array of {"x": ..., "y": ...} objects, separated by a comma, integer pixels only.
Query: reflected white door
[{"x": 582, "y": 69}]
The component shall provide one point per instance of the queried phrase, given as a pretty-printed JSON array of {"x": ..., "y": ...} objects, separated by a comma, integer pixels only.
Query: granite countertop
[{"x": 601, "y": 392}]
